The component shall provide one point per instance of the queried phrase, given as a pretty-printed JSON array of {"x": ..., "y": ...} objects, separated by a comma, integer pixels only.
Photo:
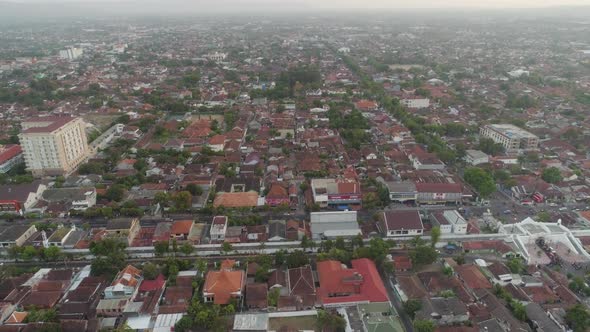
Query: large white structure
[
  {"x": 71, "y": 53},
  {"x": 416, "y": 102},
  {"x": 450, "y": 222},
  {"x": 510, "y": 136},
  {"x": 334, "y": 224},
  {"x": 561, "y": 241},
  {"x": 53, "y": 145}
]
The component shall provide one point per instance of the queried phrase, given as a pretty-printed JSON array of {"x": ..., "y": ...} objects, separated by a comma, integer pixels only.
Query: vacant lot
[{"x": 296, "y": 323}]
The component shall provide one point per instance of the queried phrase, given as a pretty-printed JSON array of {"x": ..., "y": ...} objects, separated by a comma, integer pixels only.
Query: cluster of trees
[
  {"x": 330, "y": 321},
  {"x": 109, "y": 257},
  {"x": 28, "y": 253},
  {"x": 481, "y": 179},
  {"x": 490, "y": 147},
  {"x": 205, "y": 317},
  {"x": 578, "y": 285},
  {"x": 522, "y": 101},
  {"x": 164, "y": 248},
  {"x": 352, "y": 127},
  {"x": 180, "y": 201},
  {"x": 578, "y": 318},
  {"x": 551, "y": 175},
  {"x": 423, "y": 253},
  {"x": 517, "y": 308},
  {"x": 343, "y": 251}
]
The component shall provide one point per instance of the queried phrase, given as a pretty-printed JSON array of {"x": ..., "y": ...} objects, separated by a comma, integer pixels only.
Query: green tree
[
  {"x": 424, "y": 326},
  {"x": 182, "y": 200},
  {"x": 109, "y": 257},
  {"x": 306, "y": 242},
  {"x": 411, "y": 306},
  {"x": 194, "y": 189},
  {"x": 52, "y": 253},
  {"x": 481, "y": 180},
  {"x": 28, "y": 253},
  {"x": 150, "y": 271},
  {"x": 330, "y": 321},
  {"x": 423, "y": 255},
  {"x": 296, "y": 259},
  {"x": 161, "y": 248},
  {"x": 551, "y": 175},
  {"x": 488, "y": 146},
  {"x": 434, "y": 235},
  {"x": 115, "y": 193},
  {"x": 226, "y": 247},
  {"x": 515, "y": 265},
  {"x": 187, "y": 248},
  {"x": 578, "y": 318}
]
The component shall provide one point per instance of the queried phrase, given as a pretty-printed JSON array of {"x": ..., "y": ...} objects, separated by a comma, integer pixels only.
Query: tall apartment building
[
  {"x": 53, "y": 145},
  {"x": 71, "y": 53},
  {"x": 510, "y": 136}
]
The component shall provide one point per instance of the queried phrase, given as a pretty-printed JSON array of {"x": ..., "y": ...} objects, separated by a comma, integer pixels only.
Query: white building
[
  {"x": 53, "y": 145},
  {"x": 71, "y": 53},
  {"x": 401, "y": 223},
  {"x": 450, "y": 222},
  {"x": 476, "y": 157},
  {"x": 416, "y": 102},
  {"x": 10, "y": 156},
  {"x": 330, "y": 225},
  {"x": 218, "y": 228},
  {"x": 510, "y": 136}
]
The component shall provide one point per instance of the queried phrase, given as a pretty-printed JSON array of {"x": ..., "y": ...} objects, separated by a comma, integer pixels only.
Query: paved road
[{"x": 403, "y": 316}]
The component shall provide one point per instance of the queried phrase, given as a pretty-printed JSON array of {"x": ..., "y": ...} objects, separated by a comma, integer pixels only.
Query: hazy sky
[{"x": 353, "y": 3}]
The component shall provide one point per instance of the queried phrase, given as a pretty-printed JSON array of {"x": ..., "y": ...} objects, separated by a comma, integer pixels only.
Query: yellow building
[{"x": 53, "y": 145}]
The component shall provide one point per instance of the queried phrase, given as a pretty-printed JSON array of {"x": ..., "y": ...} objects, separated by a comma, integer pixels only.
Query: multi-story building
[
  {"x": 339, "y": 194},
  {"x": 416, "y": 102},
  {"x": 510, "y": 136},
  {"x": 53, "y": 145},
  {"x": 10, "y": 156},
  {"x": 71, "y": 53}
]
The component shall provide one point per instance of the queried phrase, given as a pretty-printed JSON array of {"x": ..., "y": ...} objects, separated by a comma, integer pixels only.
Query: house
[
  {"x": 16, "y": 235},
  {"x": 75, "y": 198},
  {"x": 236, "y": 200},
  {"x": 449, "y": 221},
  {"x": 125, "y": 285},
  {"x": 401, "y": 223},
  {"x": 216, "y": 143},
  {"x": 415, "y": 102},
  {"x": 277, "y": 230},
  {"x": 223, "y": 285},
  {"x": 439, "y": 193},
  {"x": 296, "y": 230},
  {"x": 426, "y": 161},
  {"x": 334, "y": 224},
  {"x": 472, "y": 277},
  {"x": 341, "y": 194},
  {"x": 124, "y": 229},
  {"x": 540, "y": 319},
  {"x": 444, "y": 311},
  {"x": 60, "y": 236},
  {"x": 401, "y": 192},
  {"x": 277, "y": 195},
  {"x": 341, "y": 286},
  {"x": 181, "y": 229},
  {"x": 10, "y": 156},
  {"x": 18, "y": 198},
  {"x": 79, "y": 301},
  {"x": 366, "y": 105},
  {"x": 256, "y": 296},
  {"x": 218, "y": 229},
  {"x": 476, "y": 157},
  {"x": 301, "y": 285}
]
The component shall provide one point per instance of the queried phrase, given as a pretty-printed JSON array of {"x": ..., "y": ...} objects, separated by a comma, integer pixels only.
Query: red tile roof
[
  {"x": 151, "y": 285},
  {"x": 222, "y": 284},
  {"x": 472, "y": 277},
  {"x": 181, "y": 227},
  {"x": 7, "y": 152},
  {"x": 361, "y": 283},
  {"x": 53, "y": 123}
]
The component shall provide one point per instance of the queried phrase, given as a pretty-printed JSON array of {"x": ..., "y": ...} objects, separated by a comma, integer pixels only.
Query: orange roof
[
  {"x": 277, "y": 191},
  {"x": 181, "y": 227},
  {"x": 127, "y": 276},
  {"x": 16, "y": 317},
  {"x": 227, "y": 264},
  {"x": 222, "y": 284},
  {"x": 232, "y": 200},
  {"x": 217, "y": 139}
]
